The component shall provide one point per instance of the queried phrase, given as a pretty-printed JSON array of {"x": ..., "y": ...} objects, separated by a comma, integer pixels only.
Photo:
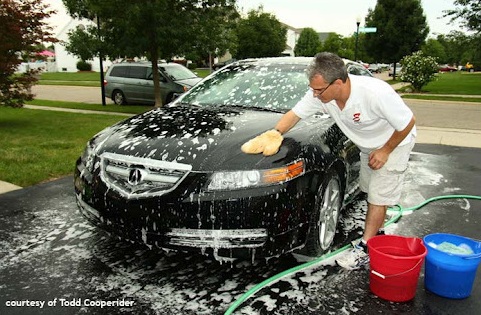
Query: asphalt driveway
[{"x": 51, "y": 257}]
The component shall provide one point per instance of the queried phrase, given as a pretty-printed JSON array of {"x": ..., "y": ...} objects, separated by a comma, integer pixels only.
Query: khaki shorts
[{"x": 384, "y": 186}]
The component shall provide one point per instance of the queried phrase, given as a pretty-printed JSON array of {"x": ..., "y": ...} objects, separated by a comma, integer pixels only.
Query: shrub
[
  {"x": 16, "y": 89},
  {"x": 84, "y": 66},
  {"x": 419, "y": 70}
]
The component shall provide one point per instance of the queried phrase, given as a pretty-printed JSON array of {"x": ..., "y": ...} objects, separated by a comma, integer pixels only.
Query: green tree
[
  {"x": 418, "y": 70},
  {"x": 468, "y": 12},
  {"x": 308, "y": 43},
  {"x": 22, "y": 32},
  {"x": 156, "y": 29},
  {"x": 83, "y": 43},
  {"x": 434, "y": 48},
  {"x": 459, "y": 47},
  {"x": 401, "y": 29},
  {"x": 333, "y": 43},
  {"x": 339, "y": 45},
  {"x": 260, "y": 35},
  {"x": 216, "y": 32}
]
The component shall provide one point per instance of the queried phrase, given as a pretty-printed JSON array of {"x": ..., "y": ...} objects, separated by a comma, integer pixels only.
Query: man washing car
[{"x": 374, "y": 117}]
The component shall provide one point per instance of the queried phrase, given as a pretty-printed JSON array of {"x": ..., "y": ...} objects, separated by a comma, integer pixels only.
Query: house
[
  {"x": 66, "y": 62},
  {"x": 292, "y": 37}
]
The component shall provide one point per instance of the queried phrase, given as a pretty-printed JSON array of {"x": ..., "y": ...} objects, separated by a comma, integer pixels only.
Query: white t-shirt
[{"x": 371, "y": 114}]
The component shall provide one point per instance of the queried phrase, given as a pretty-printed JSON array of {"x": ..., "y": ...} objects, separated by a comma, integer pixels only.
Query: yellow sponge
[{"x": 267, "y": 143}]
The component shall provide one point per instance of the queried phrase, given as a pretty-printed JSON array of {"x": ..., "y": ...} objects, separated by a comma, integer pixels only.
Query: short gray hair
[{"x": 330, "y": 66}]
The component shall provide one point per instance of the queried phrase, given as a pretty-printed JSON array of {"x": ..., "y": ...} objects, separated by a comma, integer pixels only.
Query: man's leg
[
  {"x": 384, "y": 188},
  {"x": 374, "y": 220}
]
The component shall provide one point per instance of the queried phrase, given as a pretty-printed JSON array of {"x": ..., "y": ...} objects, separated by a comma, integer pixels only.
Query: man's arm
[
  {"x": 379, "y": 157},
  {"x": 287, "y": 121}
]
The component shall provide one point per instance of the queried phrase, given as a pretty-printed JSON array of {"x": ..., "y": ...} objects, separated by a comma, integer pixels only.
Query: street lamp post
[{"x": 358, "y": 22}]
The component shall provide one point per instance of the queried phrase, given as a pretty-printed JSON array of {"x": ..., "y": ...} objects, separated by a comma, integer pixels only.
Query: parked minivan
[{"x": 132, "y": 82}]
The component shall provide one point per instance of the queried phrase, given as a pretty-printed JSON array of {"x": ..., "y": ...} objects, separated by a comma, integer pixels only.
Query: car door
[
  {"x": 164, "y": 83},
  {"x": 136, "y": 83}
]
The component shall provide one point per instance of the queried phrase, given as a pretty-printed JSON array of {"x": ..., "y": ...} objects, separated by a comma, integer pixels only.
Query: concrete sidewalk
[
  {"x": 6, "y": 187},
  {"x": 446, "y": 136}
]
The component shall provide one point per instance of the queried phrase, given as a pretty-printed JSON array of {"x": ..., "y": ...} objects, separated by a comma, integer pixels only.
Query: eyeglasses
[{"x": 318, "y": 92}]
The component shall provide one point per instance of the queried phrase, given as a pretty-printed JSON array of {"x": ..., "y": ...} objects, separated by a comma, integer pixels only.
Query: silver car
[{"x": 133, "y": 82}]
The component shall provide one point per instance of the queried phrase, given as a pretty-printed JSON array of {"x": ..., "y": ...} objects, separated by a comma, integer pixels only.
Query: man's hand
[
  {"x": 268, "y": 143},
  {"x": 378, "y": 158}
]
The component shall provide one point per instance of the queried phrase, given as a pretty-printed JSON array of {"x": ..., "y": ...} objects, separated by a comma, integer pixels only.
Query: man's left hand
[{"x": 378, "y": 158}]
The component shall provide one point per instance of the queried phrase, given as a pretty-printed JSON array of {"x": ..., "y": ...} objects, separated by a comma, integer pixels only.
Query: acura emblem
[{"x": 135, "y": 176}]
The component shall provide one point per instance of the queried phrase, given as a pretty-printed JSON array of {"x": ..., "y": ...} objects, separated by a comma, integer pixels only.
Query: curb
[{"x": 447, "y": 136}]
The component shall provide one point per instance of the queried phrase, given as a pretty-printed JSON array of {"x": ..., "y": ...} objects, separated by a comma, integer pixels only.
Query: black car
[{"x": 176, "y": 178}]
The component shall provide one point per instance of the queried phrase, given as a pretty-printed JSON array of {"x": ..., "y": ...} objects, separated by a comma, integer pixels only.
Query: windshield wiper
[
  {"x": 259, "y": 108},
  {"x": 184, "y": 103}
]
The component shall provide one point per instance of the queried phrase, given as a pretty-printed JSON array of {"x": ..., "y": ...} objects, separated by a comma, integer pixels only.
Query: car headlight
[
  {"x": 231, "y": 180},
  {"x": 88, "y": 156}
]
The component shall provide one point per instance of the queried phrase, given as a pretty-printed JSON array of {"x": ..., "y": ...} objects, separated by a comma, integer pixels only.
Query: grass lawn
[
  {"x": 85, "y": 78},
  {"x": 442, "y": 98},
  {"x": 127, "y": 109},
  {"x": 40, "y": 145},
  {"x": 458, "y": 83},
  {"x": 450, "y": 86},
  {"x": 71, "y": 76}
]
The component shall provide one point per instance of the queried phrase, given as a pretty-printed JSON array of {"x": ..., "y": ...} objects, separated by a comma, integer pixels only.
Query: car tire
[
  {"x": 118, "y": 97},
  {"x": 323, "y": 225}
]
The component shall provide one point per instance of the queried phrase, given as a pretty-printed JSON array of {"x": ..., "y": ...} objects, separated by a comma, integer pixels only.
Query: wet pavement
[{"x": 53, "y": 262}]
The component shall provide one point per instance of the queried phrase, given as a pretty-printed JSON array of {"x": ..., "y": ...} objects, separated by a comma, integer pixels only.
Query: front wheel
[{"x": 323, "y": 225}]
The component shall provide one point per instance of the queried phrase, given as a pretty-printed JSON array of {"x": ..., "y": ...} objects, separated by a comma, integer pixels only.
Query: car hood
[
  {"x": 189, "y": 82},
  {"x": 207, "y": 138}
]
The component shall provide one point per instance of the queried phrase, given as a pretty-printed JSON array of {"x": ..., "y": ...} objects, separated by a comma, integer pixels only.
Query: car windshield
[
  {"x": 275, "y": 87},
  {"x": 177, "y": 72}
]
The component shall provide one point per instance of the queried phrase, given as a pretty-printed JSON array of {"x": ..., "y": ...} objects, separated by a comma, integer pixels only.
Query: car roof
[{"x": 144, "y": 63}]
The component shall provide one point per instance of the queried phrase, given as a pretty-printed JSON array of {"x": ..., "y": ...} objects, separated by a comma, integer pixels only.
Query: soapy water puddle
[{"x": 54, "y": 254}]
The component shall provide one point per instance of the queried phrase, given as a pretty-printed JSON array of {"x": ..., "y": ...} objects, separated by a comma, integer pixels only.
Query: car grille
[
  {"x": 241, "y": 238},
  {"x": 135, "y": 177}
]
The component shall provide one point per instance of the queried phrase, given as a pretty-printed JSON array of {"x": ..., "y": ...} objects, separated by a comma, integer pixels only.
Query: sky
[
  {"x": 340, "y": 16},
  {"x": 337, "y": 16}
]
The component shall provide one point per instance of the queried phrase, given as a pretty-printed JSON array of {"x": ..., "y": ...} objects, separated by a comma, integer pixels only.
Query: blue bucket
[{"x": 448, "y": 274}]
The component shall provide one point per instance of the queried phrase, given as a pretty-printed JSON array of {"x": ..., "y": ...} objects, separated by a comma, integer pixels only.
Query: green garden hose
[{"x": 295, "y": 269}]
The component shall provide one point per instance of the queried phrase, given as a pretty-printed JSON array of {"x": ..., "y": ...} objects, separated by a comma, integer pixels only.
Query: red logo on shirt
[{"x": 356, "y": 117}]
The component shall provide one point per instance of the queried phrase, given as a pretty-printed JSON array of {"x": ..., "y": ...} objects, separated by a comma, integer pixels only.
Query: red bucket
[{"x": 395, "y": 265}]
